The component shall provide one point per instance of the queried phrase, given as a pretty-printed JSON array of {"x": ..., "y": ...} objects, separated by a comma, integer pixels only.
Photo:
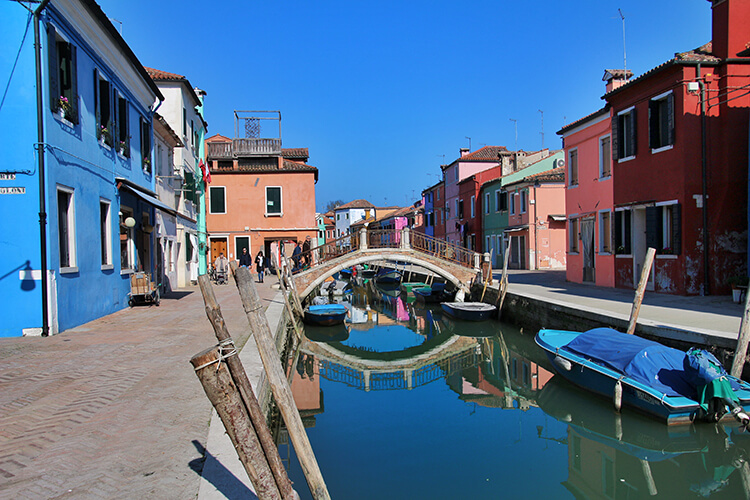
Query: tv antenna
[
  {"x": 465, "y": 137},
  {"x": 542, "y": 132},
  {"x": 624, "y": 54}
]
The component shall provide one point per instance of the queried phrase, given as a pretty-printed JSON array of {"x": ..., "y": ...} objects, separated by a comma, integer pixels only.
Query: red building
[
  {"x": 680, "y": 163},
  {"x": 469, "y": 218}
]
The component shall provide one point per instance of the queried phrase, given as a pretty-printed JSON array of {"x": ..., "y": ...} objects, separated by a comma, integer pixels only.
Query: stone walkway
[{"x": 112, "y": 408}]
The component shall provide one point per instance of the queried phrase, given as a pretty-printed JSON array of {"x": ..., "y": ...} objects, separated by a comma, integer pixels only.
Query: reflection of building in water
[{"x": 306, "y": 389}]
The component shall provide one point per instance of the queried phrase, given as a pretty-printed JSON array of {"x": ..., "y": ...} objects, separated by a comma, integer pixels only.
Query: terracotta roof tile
[
  {"x": 487, "y": 153},
  {"x": 157, "y": 74},
  {"x": 554, "y": 175},
  {"x": 295, "y": 153},
  {"x": 356, "y": 204}
]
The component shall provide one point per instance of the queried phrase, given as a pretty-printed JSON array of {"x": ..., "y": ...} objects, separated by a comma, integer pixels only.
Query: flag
[{"x": 205, "y": 171}]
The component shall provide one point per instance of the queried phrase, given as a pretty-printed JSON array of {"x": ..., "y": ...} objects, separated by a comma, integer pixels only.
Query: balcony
[{"x": 244, "y": 147}]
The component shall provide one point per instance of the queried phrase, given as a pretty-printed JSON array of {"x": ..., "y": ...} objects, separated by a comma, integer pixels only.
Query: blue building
[{"x": 77, "y": 184}]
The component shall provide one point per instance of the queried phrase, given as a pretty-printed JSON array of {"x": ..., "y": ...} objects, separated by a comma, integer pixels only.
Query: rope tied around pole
[{"x": 226, "y": 349}]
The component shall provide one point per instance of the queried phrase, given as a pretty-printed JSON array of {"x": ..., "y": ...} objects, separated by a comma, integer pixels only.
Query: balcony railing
[{"x": 244, "y": 147}]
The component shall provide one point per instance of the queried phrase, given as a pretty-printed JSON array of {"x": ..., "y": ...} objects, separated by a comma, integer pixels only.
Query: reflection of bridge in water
[{"x": 359, "y": 369}]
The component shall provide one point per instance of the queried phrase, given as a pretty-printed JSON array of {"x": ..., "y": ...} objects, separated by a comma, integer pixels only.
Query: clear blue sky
[{"x": 383, "y": 92}]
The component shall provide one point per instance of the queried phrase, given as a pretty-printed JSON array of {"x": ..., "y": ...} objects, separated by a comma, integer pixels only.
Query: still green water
[{"x": 404, "y": 402}]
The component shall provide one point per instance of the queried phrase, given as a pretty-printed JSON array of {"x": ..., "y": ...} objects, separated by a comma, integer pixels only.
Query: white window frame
[
  {"x": 456, "y": 173},
  {"x": 473, "y": 210},
  {"x": 622, "y": 136},
  {"x": 512, "y": 203},
  {"x": 72, "y": 266},
  {"x": 455, "y": 215},
  {"x": 106, "y": 234},
  {"x": 237, "y": 252},
  {"x": 523, "y": 198},
  {"x": 497, "y": 200},
  {"x": 211, "y": 191},
  {"x": 660, "y": 97},
  {"x": 573, "y": 181},
  {"x": 126, "y": 212},
  {"x": 603, "y": 157},
  {"x": 605, "y": 234},
  {"x": 281, "y": 202},
  {"x": 486, "y": 203}
]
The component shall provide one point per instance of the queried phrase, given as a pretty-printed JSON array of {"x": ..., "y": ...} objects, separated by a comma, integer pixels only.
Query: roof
[
  {"x": 171, "y": 133},
  {"x": 619, "y": 74},
  {"x": 581, "y": 121},
  {"x": 355, "y": 204},
  {"x": 162, "y": 76},
  {"x": 295, "y": 153},
  {"x": 554, "y": 175},
  {"x": 218, "y": 138},
  {"x": 107, "y": 25},
  {"x": 485, "y": 154},
  {"x": 702, "y": 54}
]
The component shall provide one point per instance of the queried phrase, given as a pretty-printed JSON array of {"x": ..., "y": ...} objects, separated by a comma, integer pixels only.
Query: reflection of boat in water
[
  {"x": 637, "y": 372},
  {"x": 469, "y": 311},
  {"x": 433, "y": 294},
  {"x": 407, "y": 287},
  {"x": 387, "y": 276},
  {"x": 325, "y": 314},
  {"x": 469, "y": 328},
  {"x": 335, "y": 333}
]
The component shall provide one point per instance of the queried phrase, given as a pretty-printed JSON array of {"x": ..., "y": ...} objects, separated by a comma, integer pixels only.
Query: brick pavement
[{"x": 112, "y": 408}]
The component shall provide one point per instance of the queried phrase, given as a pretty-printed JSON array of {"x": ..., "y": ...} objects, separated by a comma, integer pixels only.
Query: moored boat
[
  {"x": 469, "y": 311},
  {"x": 407, "y": 287},
  {"x": 432, "y": 294},
  {"x": 388, "y": 276},
  {"x": 325, "y": 315},
  {"x": 668, "y": 384}
]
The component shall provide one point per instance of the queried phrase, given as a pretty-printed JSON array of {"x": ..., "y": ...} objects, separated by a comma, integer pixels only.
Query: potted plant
[
  {"x": 64, "y": 107},
  {"x": 739, "y": 286},
  {"x": 122, "y": 148},
  {"x": 105, "y": 137}
]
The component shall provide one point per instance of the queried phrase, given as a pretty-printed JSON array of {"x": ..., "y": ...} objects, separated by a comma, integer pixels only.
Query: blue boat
[
  {"x": 469, "y": 311},
  {"x": 325, "y": 315},
  {"x": 644, "y": 375},
  {"x": 388, "y": 277}
]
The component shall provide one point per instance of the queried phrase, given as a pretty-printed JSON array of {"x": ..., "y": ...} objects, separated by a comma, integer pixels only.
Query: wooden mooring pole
[
  {"x": 740, "y": 352},
  {"x": 239, "y": 377},
  {"x": 641, "y": 290},
  {"x": 217, "y": 382},
  {"x": 503, "y": 289},
  {"x": 280, "y": 388}
]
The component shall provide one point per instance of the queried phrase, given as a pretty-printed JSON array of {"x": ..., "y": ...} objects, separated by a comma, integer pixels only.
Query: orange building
[{"x": 260, "y": 197}]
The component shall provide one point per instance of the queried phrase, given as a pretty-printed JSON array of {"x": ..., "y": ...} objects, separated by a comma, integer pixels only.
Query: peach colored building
[
  {"x": 537, "y": 217},
  {"x": 261, "y": 197}
]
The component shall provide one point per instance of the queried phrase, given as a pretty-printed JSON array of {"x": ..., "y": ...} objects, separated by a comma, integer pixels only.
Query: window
[
  {"x": 501, "y": 201},
  {"x": 338, "y": 216},
  {"x": 663, "y": 228},
  {"x": 347, "y": 215},
  {"x": 217, "y": 200},
  {"x": 145, "y": 146},
  {"x": 455, "y": 170},
  {"x": 523, "y": 201},
  {"x": 487, "y": 203},
  {"x": 105, "y": 233},
  {"x": 661, "y": 121},
  {"x": 184, "y": 123},
  {"x": 455, "y": 214},
  {"x": 605, "y": 232},
  {"x": 273, "y": 200},
  {"x": 241, "y": 242},
  {"x": 573, "y": 235},
  {"x": 605, "y": 157},
  {"x": 63, "y": 75},
  {"x": 622, "y": 232},
  {"x": 66, "y": 227},
  {"x": 127, "y": 255},
  {"x": 473, "y": 206},
  {"x": 487, "y": 245},
  {"x": 438, "y": 195},
  {"x": 624, "y": 135},
  {"x": 460, "y": 209},
  {"x": 512, "y": 202},
  {"x": 103, "y": 107},
  {"x": 122, "y": 129},
  {"x": 573, "y": 167}
]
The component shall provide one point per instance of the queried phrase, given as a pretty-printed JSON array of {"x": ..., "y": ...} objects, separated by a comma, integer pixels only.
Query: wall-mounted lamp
[{"x": 130, "y": 222}]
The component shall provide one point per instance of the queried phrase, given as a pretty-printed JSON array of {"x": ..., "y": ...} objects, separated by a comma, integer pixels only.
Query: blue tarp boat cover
[
  {"x": 327, "y": 309},
  {"x": 645, "y": 361}
]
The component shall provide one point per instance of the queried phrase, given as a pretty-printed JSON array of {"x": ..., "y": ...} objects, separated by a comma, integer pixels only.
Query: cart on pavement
[{"x": 143, "y": 290}]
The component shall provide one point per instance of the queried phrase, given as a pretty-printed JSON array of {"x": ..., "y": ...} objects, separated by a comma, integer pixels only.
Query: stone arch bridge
[{"x": 457, "y": 265}]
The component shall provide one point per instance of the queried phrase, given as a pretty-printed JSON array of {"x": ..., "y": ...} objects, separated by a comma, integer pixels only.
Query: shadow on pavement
[
  {"x": 215, "y": 473},
  {"x": 173, "y": 295}
]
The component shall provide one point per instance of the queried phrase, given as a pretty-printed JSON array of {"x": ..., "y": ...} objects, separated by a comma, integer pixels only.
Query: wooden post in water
[
  {"x": 641, "y": 290},
  {"x": 740, "y": 352},
  {"x": 239, "y": 377},
  {"x": 214, "y": 375},
  {"x": 503, "y": 289},
  {"x": 280, "y": 388}
]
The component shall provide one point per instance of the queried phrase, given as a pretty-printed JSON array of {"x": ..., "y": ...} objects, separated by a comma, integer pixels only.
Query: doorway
[
  {"x": 218, "y": 245},
  {"x": 640, "y": 246},
  {"x": 587, "y": 248},
  {"x": 518, "y": 252}
]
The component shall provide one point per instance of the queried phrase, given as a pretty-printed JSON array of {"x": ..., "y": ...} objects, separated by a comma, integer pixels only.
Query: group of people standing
[
  {"x": 261, "y": 263},
  {"x": 300, "y": 257}
]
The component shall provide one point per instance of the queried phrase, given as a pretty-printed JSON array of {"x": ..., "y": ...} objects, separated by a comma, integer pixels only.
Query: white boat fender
[
  {"x": 618, "y": 395},
  {"x": 562, "y": 363}
]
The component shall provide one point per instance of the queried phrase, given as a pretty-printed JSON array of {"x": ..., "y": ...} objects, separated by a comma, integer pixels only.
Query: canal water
[{"x": 404, "y": 402}]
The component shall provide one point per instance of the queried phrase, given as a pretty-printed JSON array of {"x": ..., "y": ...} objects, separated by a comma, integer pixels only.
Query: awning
[
  {"x": 144, "y": 194},
  {"x": 558, "y": 218}
]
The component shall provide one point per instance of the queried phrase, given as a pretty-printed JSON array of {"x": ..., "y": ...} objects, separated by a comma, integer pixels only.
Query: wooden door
[{"x": 218, "y": 245}]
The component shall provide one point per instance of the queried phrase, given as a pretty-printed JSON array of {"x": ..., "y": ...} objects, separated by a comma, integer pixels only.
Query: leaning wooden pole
[
  {"x": 280, "y": 388},
  {"x": 740, "y": 353},
  {"x": 641, "y": 290},
  {"x": 503, "y": 281},
  {"x": 217, "y": 382},
  {"x": 239, "y": 376}
]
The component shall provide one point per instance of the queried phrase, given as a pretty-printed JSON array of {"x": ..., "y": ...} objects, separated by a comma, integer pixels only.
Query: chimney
[
  {"x": 464, "y": 151},
  {"x": 616, "y": 78},
  {"x": 728, "y": 27}
]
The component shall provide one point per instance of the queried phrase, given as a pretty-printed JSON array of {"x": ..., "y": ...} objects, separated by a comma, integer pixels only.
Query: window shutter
[
  {"x": 54, "y": 71},
  {"x": 670, "y": 117},
  {"x": 633, "y": 132},
  {"x": 628, "y": 236},
  {"x": 653, "y": 223},
  {"x": 73, "y": 83},
  {"x": 615, "y": 144},
  {"x": 613, "y": 225},
  {"x": 676, "y": 229},
  {"x": 115, "y": 119},
  {"x": 653, "y": 124},
  {"x": 96, "y": 101}
]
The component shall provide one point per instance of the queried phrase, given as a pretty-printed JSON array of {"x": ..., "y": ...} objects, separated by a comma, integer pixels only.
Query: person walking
[
  {"x": 260, "y": 265},
  {"x": 245, "y": 258},
  {"x": 221, "y": 265},
  {"x": 306, "y": 253}
]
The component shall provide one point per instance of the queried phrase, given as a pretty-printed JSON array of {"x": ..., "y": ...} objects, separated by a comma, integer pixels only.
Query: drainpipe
[
  {"x": 40, "y": 157},
  {"x": 704, "y": 185}
]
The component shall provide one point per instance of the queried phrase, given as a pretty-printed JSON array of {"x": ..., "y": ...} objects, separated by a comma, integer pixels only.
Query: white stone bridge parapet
[{"x": 457, "y": 265}]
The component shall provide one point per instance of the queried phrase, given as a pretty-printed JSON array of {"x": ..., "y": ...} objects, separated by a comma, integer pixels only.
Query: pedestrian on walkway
[
  {"x": 296, "y": 257},
  {"x": 306, "y": 252},
  {"x": 245, "y": 259},
  {"x": 260, "y": 265},
  {"x": 221, "y": 265}
]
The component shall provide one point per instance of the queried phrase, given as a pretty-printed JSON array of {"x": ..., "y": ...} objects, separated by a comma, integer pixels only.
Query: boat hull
[
  {"x": 324, "y": 315},
  {"x": 601, "y": 380},
  {"x": 469, "y": 311}
]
